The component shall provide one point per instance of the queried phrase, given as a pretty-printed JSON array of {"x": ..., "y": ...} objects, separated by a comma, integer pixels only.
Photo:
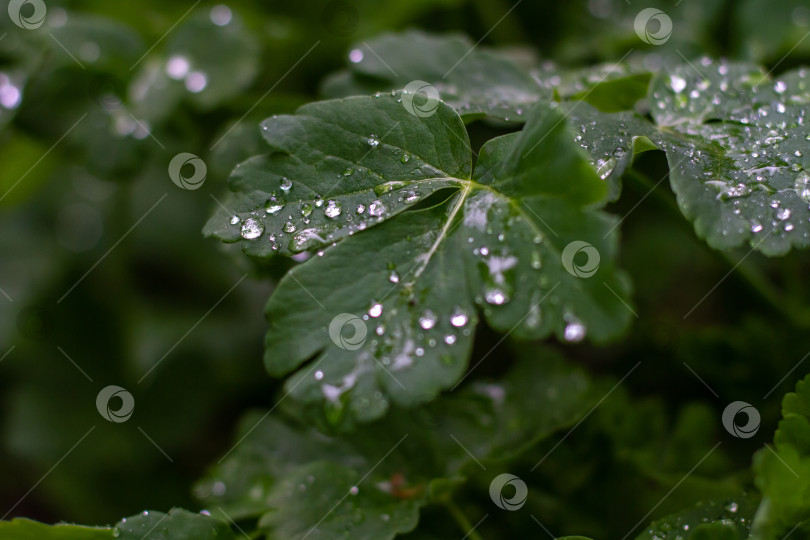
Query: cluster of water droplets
[
  {"x": 749, "y": 132},
  {"x": 680, "y": 528}
]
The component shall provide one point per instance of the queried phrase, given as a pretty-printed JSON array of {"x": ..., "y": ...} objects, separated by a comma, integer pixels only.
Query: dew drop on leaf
[
  {"x": 427, "y": 320},
  {"x": 252, "y": 228},
  {"x": 332, "y": 209},
  {"x": 285, "y": 184},
  {"x": 459, "y": 318},
  {"x": 376, "y": 209},
  {"x": 234, "y": 220}
]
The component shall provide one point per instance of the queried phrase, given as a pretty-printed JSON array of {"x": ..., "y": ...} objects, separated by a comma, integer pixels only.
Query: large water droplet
[
  {"x": 459, "y": 318},
  {"x": 427, "y": 320},
  {"x": 252, "y": 228},
  {"x": 289, "y": 227},
  {"x": 274, "y": 208},
  {"x": 574, "y": 332},
  {"x": 782, "y": 214},
  {"x": 802, "y": 186},
  {"x": 496, "y": 297},
  {"x": 332, "y": 209},
  {"x": 677, "y": 83},
  {"x": 376, "y": 209}
]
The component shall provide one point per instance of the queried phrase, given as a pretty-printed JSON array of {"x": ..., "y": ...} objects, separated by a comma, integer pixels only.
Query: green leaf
[
  {"x": 300, "y": 480},
  {"x": 178, "y": 524},
  {"x": 497, "y": 241},
  {"x": 337, "y": 168},
  {"x": 716, "y": 520},
  {"x": 782, "y": 474},
  {"x": 612, "y": 140},
  {"x": 473, "y": 80},
  {"x": 738, "y": 152},
  {"x": 618, "y": 94},
  {"x": 26, "y": 529}
]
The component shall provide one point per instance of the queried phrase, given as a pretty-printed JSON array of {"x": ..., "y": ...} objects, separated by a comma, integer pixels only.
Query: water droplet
[
  {"x": 318, "y": 375},
  {"x": 235, "y": 220},
  {"x": 677, "y": 83},
  {"x": 361, "y": 208},
  {"x": 354, "y": 490},
  {"x": 782, "y": 214},
  {"x": 289, "y": 227},
  {"x": 393, "y": 277},
  {"x": 348, "y": 172},
  {"x": 484, "y": 251},
  {"x": 318, "y": 201},
  {"x": 449, "y": 339},
  {"x": 427, "y": 320},
  {"x": 406, "y": 157},
  {"x": 495, "y": 296},
  {"x": 756, "y": 227},
  {"x": 376, "y": 209},
  {"x": 306, "y": 209},
  {"x": 780, "y": 87},
  {"x": 574, "y": 332},
  {"x": 332, "y": 209},
  {"x": 252, "y": 228},
  {"x": 356, "y": 56},
  {"x": 605, "y": 166},
  {"x": 285, "y": 184},
  {"x": 376, "y": 310},
  {"x": 802, "y": 186},
  {"x": 732, "y": 507},
  {"x": 537, "y": 262},
  {"x": 459, "y": 318},
  {"x": 274, "y": 208},
  {"x": 373, "y": 141}
]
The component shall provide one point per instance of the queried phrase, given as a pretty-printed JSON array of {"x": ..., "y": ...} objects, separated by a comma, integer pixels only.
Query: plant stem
[{"x": 462, "y": 521}]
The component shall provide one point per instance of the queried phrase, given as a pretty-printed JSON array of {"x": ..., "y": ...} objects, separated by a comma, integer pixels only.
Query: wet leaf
[
  {"x": 473, "y": 80},
  {"x": 717, "y": 520},
  {"x": 519, "y": 242},
  {"x": 374, "y": 481},
  {"x": 781, "y": 472}
]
